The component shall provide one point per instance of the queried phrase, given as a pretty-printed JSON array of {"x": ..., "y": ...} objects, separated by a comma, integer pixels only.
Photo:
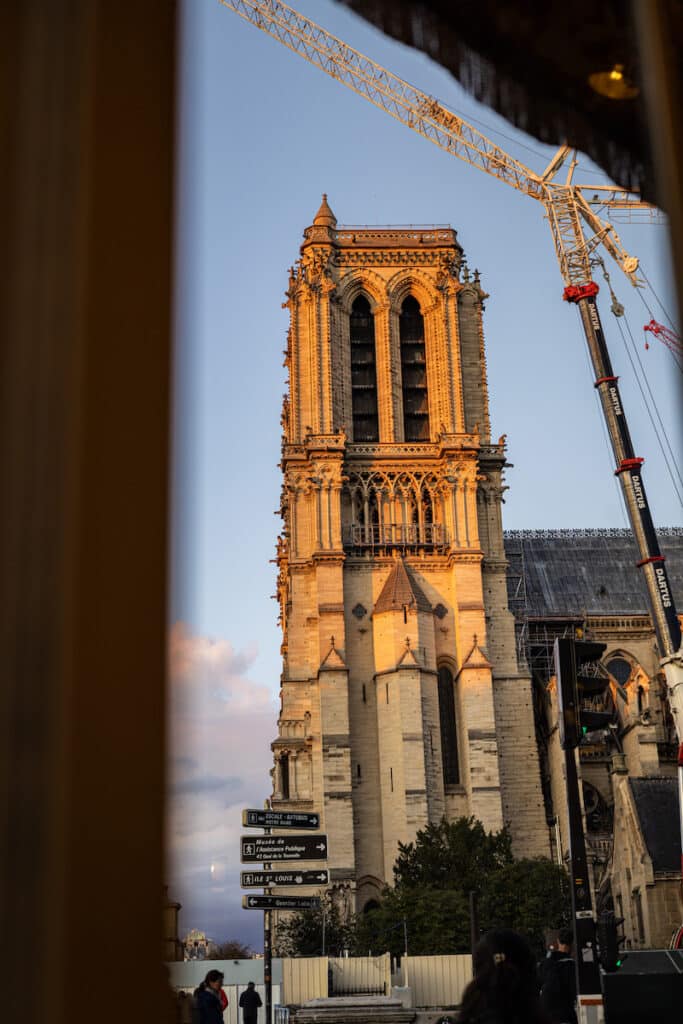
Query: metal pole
[
  {"x": 474, "y": 921},
  {"x": 680, "y": 792},
  {"x": 405, "y": 937},
  {"x": 268, "y": 946},
  {"x": 558, "y": 842},
  {"x": 583, "y": 921},
  {"x": 324, "y": 920},
  {"x": 268, "y": 965}
]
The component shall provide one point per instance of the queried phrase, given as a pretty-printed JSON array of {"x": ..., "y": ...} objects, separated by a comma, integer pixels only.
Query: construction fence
[
  {"x": 433, "y": 981},
  {"x": 436, "y": 980},
  {"x": 423, "y": 982},
  {"x": 305, "y": 978}
]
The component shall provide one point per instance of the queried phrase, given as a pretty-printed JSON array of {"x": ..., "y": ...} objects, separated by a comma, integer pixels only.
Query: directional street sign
[
  {"x": 257, "y": 879},
  {"x": 260, "y": 849},
  {"x": 280, "y": 902},
  {"x": 279, "y": 819}
]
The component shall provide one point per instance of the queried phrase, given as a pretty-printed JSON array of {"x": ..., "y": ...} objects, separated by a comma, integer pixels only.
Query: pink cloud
[{"x": 221, "y": 724}]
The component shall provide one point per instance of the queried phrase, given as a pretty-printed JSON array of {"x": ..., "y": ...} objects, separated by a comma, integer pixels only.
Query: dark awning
[{"x": 531, "y": 63}]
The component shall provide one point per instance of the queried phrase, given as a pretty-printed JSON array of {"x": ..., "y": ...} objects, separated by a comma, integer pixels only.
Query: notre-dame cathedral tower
[{"x": 402, "y": 698}]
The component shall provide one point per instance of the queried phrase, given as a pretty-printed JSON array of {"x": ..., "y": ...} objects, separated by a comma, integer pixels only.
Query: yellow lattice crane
[{"x": 578, "y": 231}]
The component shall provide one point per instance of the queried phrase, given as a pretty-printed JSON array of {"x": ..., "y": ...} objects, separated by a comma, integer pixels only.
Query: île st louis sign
[{"x": 259, "y": 879}]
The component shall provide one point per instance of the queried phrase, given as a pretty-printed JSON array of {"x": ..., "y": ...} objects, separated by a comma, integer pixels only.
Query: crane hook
[{"x": 616, "y": 307}]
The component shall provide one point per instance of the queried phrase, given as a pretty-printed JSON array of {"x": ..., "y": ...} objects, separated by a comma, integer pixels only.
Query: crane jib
[{"x": 629, "y": 471}]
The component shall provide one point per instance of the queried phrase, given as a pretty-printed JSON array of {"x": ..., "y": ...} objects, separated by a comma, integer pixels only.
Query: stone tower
[{"x": 402, "y": 700}]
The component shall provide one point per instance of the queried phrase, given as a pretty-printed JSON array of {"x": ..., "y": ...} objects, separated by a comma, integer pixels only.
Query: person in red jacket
[{"x": 207, "y": 1008}]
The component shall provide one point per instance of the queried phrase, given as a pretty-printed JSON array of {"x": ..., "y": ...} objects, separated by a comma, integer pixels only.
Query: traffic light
[
  {"x": 609, "y": 940},
  {"x": 580, "y": 679}
]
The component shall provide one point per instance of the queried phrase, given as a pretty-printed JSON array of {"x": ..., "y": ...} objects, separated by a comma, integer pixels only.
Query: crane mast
[{"x": 577, "y": 231}]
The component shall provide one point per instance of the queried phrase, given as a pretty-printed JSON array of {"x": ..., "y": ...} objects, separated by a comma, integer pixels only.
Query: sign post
[
  {"x": 271, "y": 902},
  {"x": 259, "y": 879},
  {"x": 268, "y": 954},
  {"x": 252, "y": 818},
  {"x": 268, "y": 964},
  {"x": 259, "y": 849},
  {"x": 267, "y": 850}
]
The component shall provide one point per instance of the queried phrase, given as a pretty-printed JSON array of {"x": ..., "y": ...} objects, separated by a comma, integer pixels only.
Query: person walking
[
  {"x": 504, "y": 989},
  {"x": 557, "y": 978},
  {"x": 208, "y": 1009},
  {"x": 250, "y": 1001}
]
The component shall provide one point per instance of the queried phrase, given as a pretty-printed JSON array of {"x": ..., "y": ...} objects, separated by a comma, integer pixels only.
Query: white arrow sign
[{"x": 271, "y": 848}]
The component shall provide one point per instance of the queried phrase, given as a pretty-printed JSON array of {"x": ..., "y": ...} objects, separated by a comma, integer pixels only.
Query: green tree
[
  {"x": 528, "y": 896},
  {"x": 432, "y": 920},
  {"x": 434, "y": 876},
  {"x": 453, "y": 854},
  {"x": 301, "y": 934}
]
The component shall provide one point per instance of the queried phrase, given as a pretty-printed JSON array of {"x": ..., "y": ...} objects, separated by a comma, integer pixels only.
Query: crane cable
[
  {"x": 670, "y": 459},
  {"x": 657, "y": 298}
]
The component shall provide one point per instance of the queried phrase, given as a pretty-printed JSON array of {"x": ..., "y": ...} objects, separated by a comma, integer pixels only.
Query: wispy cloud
[
  {"x": 220, "y": 729},
  {"x": 206, "y": 784}
]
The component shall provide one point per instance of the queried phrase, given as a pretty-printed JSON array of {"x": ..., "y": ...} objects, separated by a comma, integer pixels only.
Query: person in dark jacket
[
  {"x": 250, "y": 1001},
  {"x": 557, "y": 978},
  {"x": 208, "y": 999},
  {"x": 504, "y": 989}
]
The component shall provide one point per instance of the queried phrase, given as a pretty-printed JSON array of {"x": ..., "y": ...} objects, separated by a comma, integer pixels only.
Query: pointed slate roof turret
[
  {"x": 324, "y": 217},
  {"x": 401, "y": 591}
]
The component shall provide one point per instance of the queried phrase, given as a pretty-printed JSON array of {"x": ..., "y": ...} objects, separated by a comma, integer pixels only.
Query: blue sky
[{"x": 261, "y": 135}]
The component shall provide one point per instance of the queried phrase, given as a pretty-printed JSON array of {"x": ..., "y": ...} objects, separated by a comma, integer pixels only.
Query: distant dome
[{"x": 324, "y": 216}]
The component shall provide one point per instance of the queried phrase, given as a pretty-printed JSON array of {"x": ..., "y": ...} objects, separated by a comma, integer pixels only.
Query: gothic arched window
[
  {"x": 284, "y": 776},
  {"x": 363, "y": 372},
  {"x": 620, "y": 669},
  {"x": 413, "y": 372},
  {"x": 449, "y": 736}
]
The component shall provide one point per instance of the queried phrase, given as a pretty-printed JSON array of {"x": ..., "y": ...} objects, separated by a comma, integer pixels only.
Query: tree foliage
[
  {"x": 231, "y": 949},
  {"x": 436, "y": 921},
  {"x": 305, "y": 933},
  {"x": 452, "y": 854},
  {"x": 433, "y": 879},
  {"x": 529, "y": 896}
]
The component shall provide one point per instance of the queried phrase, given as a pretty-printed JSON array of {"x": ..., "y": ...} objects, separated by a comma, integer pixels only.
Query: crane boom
[
  {"x": 416, "y": 109},
  {"x": 568, "y": 208},
  {"x": 387, "y": 91}
]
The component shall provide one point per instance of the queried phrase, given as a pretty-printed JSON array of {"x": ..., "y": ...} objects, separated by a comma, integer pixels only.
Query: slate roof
[
  {"x": 656, "y": 803},
  {"x": 401, "y": 590},
  {"x": 585, "y": 572}
]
